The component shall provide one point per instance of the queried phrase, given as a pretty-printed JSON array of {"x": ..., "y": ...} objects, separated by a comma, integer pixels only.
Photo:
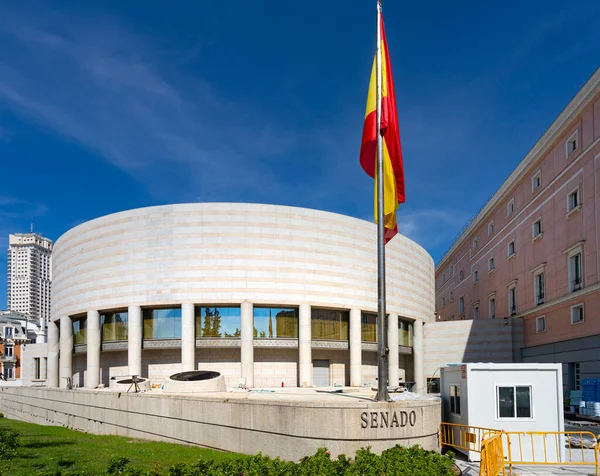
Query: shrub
[
  {"x": 395, "y": 461},
  {"x": 121, "y": 466},
  {"x": 9, "y": 441}
]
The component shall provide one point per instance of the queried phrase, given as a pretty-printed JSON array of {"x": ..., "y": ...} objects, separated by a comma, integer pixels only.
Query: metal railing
[
  {"x": 546, "y": 448},
  {"x": 543, "y": 448},
  {"x": 492, "y": 455},
  {"x": 463, "y": 437}
]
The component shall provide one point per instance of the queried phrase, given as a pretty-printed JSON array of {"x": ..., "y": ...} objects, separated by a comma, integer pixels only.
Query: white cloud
[
  {"x": 431, "y": 228},
  {"x": 98, "y": 84}
]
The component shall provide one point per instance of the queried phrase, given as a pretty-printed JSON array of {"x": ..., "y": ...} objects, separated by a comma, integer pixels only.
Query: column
[
  {"x": 305, "y": 346},
  {"x": 93, "y": 349},
  {"x": 43, "y": 368},
  {"x": 188, "y": 337},
  {"x": 247, "y": 341},
  {"x": 66, "y": 351},
  {"x": 52, "y": 376},
  {"x": 418, "y": 359},
  {"x": 134, "y": 340},
  {"x": 392, "y": 338},
  {"x": 355, "y": 349}
]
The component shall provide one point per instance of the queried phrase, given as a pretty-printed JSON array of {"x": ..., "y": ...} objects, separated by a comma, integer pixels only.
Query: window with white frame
[
  {"x": 443, "y": 301},
  {"x": 490, "y": 228},
  {"x": 575, "y": 274},
  {"x": 510, "y": 207},
  {"x": 514, "y": 401},
  {"x": 536, "y": 181},
  {"x": 572, "y": 143},
  {"x": 491, "y": 266},
  {"x": 475, "y": 243},
  {"x": 539, "y": 288},
  {"x": 443, "y": 277},
  {"x": 512, "y": 300},
  {"x": 537, "y": 228},
  {"x": 455, "y": 399},
  {"x": 461, "y": 275},
  {"x": 492, "y": 307},
  {"x": 475, "y": 311},
  {"x": 573, "y": 200},
  {"x": 540, "y": 324},
  {"x": 8, "y": 332},
  {"x": 511, "y": 248},
  {"x": 451, "y": 295},
  {"x": 461, "y": 305},
  {"x": 577, "y": 314},
  {"x": 9, "y": 351},
  {"x": 8, "y": 373},
  {"x": 475, "y": 276},
  {"x": 451, "y": 270}
]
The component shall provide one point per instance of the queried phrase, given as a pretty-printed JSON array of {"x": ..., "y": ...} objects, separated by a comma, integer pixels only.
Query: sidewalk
[{"x": 472, "y": 469}]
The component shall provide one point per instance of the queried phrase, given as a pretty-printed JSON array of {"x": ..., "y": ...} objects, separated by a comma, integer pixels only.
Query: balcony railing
[
  {"x": 9, "y": 358},
  {"x": 540, "y": 299},
  {"x": 513, "y": 310},
  {"x": 576, "y": 285}
]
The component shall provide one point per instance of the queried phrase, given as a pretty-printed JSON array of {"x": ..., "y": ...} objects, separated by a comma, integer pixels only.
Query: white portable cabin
[{"x": 510, "y": 397}]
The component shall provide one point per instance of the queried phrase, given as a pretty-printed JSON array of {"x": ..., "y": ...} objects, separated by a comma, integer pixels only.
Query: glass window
[
  {"x": 329, "y": 325},
  {"x": 113, "y": 326},
  {"x": 433, "y": 385},
  {"x": 162, "y": 323},
  {"x": 36, "y": 368},
  {"x": 80, "y": 330},
  {"x": 275, "y": 322},
  {"x": 8, "y": 332},
  {"x": 573, "y": 200},
  {"x": 514, "y": 402},
  {"x": 368, "y": 327},
  {"x": 214, "y": 322},
  {"x": 455, "y": 399},
  {"x": 8, "y": 350},
  {"x": 405, "y": 333}
]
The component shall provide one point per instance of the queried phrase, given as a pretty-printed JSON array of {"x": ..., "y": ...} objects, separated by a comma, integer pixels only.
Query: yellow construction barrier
[
  {"x": 568, "y": 448},
  {"x": 464, "y": 437},
  {"x": 492, "y": 455},
  {"x": 551, "y": 448}
]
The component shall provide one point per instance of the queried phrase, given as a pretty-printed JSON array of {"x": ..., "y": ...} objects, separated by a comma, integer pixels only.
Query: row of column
[{"x": 64, "y": 347}]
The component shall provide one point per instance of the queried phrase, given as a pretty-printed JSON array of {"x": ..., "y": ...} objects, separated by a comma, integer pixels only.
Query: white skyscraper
[{"x": 30, "y": 275}]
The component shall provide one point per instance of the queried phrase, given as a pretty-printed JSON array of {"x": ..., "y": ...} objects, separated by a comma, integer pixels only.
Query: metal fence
[
  {"x": 512, "y": 448},
  {"x": 492, "y": 455}
]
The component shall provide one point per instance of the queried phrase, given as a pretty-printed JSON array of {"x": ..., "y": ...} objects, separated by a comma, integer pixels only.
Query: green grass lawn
[{"x": 50, "y": 450}]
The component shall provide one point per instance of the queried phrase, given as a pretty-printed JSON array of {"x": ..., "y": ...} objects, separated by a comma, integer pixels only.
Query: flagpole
[{"x": 382, "y": 391}]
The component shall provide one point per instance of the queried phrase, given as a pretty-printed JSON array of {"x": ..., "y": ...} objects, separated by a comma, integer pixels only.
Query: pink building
[{"x": 532, "y": 252}]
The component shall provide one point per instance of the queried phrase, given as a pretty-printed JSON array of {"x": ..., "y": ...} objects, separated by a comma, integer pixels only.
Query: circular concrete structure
[
  {"x": 266, "y": 295},
  {"x": 195, "y": 381}
]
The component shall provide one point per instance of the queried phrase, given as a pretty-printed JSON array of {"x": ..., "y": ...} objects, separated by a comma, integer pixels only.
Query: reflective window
[
  {"x": 275, "y": 322},
  {"x": 329, "y": 324},
  {"x": 215, "y": 322},
  {"x": 113, "y": 326},
  {"x": 80, "y": 330},
  {"x": 162, "y": 323},
  {"x": 405, "y": 333},
  {"x": 514, "y": 402},
  {"x": 368, "y": 327}
]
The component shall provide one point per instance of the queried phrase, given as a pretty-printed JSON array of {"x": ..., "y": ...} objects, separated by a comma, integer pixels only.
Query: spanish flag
[{"x": 393, "y": 170}]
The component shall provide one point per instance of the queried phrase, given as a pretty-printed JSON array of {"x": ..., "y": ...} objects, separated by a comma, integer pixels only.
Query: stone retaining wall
[{"x": 286, "y": 428}]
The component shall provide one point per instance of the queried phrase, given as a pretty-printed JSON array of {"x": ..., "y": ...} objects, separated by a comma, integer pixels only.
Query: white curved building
[{"x": 267, "y": 295}]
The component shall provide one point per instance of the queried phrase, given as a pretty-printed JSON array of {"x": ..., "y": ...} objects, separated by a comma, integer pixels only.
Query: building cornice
[{"x": 589, "y": 89}]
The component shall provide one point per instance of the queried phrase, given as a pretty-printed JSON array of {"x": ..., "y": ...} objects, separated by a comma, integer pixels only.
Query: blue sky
[{"x": 111, "y": 105}]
